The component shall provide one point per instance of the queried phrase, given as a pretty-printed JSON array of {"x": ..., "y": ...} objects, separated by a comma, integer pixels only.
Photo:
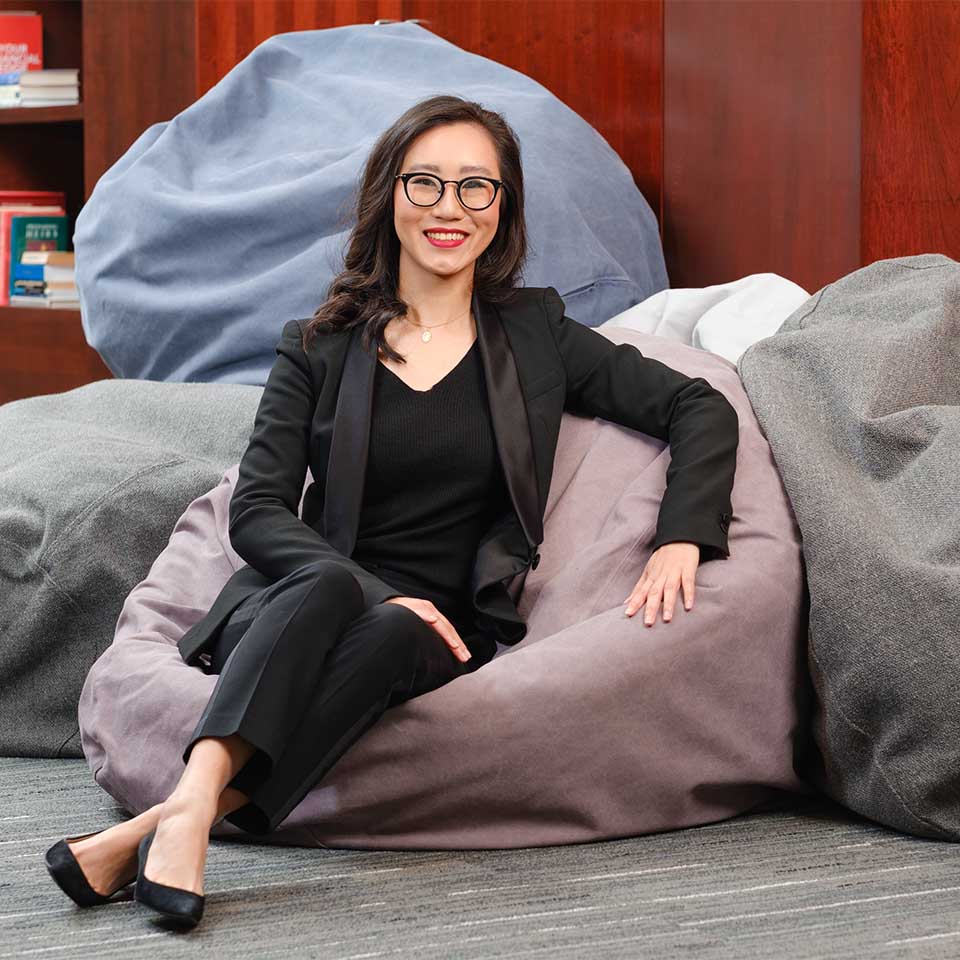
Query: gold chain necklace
[{"x": 427, "y": 336}]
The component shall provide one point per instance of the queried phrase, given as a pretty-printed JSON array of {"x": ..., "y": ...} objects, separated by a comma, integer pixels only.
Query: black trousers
[{"x": 304, "y": 670}]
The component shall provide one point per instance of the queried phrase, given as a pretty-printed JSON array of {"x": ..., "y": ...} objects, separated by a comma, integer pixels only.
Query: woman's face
[{"x": 451, "y": 151}]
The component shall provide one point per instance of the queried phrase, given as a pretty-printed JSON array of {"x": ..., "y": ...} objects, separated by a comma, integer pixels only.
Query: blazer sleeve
[
  {"x": 618, "y": 383},
  {"x": 265, "y": 529}
]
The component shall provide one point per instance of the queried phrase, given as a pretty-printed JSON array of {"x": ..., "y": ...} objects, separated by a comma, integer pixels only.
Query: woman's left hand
[{"x": 671, "y": 566}]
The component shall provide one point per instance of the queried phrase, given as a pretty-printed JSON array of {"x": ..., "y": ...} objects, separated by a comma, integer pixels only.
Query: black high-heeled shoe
[
  {"x": 62, "y": 865},
  {"x": 182, "y": 907}
]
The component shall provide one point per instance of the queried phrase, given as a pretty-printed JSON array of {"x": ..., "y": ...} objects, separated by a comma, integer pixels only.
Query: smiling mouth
[{"x": 452, "y": 238}]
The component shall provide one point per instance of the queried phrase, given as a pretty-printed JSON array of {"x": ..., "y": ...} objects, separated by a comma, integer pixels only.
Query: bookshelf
[{"x": 137, "y": 68}]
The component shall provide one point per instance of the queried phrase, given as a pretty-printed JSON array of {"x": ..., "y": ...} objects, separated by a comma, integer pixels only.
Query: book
[
  {"x": 37, "y": 288},
  {"x": 10, "y": 89},
  {"x": 44, "y": 275},
  {"x": 8, "y": 211},
  {"x": 21, "y": 41},
  {"x": 47, "y": 93},
  {"x": 60, "y": 77},
  {"x": 55, "y": 266},
  {"x": 51, "y": 101},
  {"x": 62, "y": 258},
  {"x": 52, "y": 303},
  {"x": 34, "y": 104},
  {"x": 33, "y": 232}
]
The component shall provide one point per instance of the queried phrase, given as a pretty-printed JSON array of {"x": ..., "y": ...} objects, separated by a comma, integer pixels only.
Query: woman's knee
[
  {"x": 331, "y": 582},
  {"x": 397, "y": 626}
]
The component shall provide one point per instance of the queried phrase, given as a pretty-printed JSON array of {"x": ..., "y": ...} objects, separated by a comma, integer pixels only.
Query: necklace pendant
[{"x": 425, "y": 336}]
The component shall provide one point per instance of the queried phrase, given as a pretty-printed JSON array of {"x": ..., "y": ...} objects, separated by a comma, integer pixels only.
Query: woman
[{"x": 430, "y": 479}]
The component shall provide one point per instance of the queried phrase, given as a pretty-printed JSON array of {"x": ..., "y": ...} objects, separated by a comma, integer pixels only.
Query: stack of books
[
  {"x": 45, "y": 278},
  {"x": 32, "y": 222},
  {"x": 50, "y": 88}
]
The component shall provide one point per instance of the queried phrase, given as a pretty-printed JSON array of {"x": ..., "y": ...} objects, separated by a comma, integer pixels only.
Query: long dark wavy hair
[{"x": 365, "y": 291}]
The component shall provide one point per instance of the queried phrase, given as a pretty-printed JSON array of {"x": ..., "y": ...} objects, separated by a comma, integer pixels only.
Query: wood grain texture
[
  {"x": 601, "y": 59},
  {"x": 139, "y": 69},
  {"x": 44, "y": 351},
  {"x": 911, "y": 129},
  {"x": 761, "y": 140}
]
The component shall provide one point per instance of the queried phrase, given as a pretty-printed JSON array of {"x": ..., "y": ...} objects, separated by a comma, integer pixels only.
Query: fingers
[
  {"x": 428, "y": 612},
  {"x": 447, "y": 630},
  {"x": 663, "y": 590},
  {"x": 638, "y": 596},
  {"x": 654, "y": 597},
  {"x": 687, "y": 578},
  {"x": 670, "y": 567},
  {"x": 669, "y": 599}
]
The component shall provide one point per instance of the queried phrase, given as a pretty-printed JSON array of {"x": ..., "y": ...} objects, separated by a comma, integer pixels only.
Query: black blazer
[{"x": 537, "y": 362}]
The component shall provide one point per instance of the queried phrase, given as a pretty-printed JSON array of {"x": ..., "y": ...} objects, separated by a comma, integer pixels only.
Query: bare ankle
[{"x": 185, "y": 799}]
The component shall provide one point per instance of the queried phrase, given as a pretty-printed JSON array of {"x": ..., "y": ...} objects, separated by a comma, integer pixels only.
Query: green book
[{"x": 35, "y": 233}]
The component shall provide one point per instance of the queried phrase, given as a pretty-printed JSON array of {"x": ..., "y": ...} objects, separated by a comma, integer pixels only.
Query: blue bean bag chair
[{"x": 218, "y": 226}]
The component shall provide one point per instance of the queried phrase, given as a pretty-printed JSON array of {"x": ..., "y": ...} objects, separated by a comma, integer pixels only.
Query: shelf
[
  {"x": 10, "y": 316},
  {"x": 63, "y": 114},
  {"x": 44, "y": 351}
]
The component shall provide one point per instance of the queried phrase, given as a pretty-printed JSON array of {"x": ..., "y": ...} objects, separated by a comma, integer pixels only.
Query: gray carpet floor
[{"x": 807, "y": 879}]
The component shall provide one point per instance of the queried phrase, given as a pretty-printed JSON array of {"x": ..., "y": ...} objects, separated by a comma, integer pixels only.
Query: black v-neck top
[{"x": 433, "y": 485}]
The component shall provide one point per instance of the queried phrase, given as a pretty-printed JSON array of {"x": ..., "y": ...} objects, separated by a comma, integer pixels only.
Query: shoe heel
[
  {"x": 184, "y": 908},
  {"x": 63, "y": 867}
]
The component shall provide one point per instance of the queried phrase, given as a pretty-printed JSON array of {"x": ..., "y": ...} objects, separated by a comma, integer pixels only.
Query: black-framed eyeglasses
[{"x": 425, "y": 189}]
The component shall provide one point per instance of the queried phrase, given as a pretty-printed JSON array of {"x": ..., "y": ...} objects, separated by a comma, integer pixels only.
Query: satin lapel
[
  {"x": 347, "y": 463},
  {"x": 511, "y": 425}
]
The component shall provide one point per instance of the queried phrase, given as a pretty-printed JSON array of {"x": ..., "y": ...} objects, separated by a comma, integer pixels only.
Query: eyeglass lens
[{"x": 425, "y": 190}]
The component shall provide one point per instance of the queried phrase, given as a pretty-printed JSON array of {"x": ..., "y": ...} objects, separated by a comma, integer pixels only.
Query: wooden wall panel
[
  {"x": 602, "y": 59},
  {"x": 138, "y": 58},
  {"x": 911, "y": 129},
  {"x": 761, "y": 140},
  {"x": 227, "y": 32}
]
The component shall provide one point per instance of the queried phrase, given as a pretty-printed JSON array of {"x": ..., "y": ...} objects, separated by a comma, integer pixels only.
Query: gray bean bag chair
[
  {"x": 216, "y": 226},
  {"x": 91, "y": 483},
  {"x": 859, "y": 395},
  {"x": 592, "y": 727}
]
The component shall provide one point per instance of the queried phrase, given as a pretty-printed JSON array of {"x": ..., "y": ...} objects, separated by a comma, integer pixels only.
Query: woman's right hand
[{"x": 427, "y": 611}]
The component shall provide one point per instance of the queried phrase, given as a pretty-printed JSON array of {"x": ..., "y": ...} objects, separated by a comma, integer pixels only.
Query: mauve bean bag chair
[
  {"x": 592, "y": 727},
  {"x": 216, "y": 226}
]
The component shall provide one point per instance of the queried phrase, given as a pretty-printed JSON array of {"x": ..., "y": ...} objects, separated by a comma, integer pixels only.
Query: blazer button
[{"x": 535, "y": 561}]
